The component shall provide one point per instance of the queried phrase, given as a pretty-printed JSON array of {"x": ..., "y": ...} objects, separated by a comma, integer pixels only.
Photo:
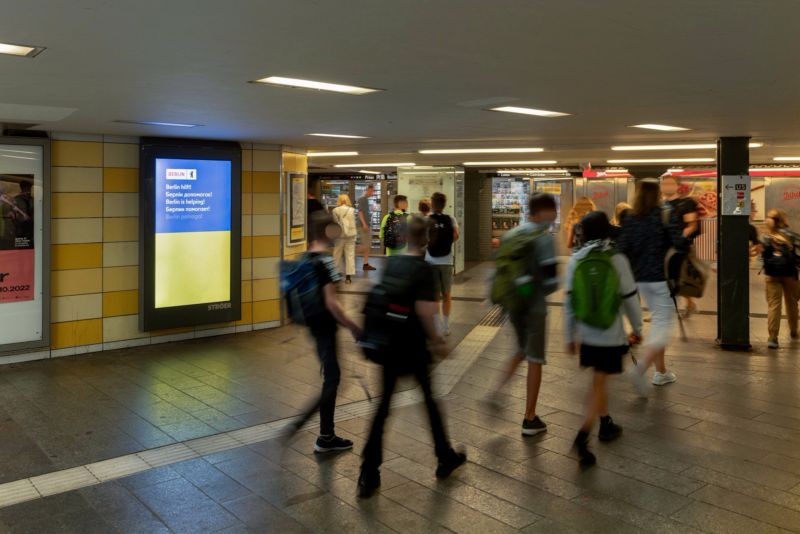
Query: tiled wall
[{"x": 95, "y": 244}]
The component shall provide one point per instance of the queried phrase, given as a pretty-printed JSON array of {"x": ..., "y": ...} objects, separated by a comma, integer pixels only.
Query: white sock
[
  {"x": 446, "y": 322},
  {"x": 437, "y": 324}
]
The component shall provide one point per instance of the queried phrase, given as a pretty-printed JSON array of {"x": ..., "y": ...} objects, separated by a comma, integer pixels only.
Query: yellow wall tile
[
  {"x": 265, "y": 268},
  {"x": 121, "y": 155},
  {"x": 266, "y": 203},
  {"x": 266, "y": 310},
  {"x": 76, "y": 308},
  {"x": 76, "y": 333},
  {"x": 122, "y": 328},
  {"x": 247, "y": 246},
  {"x": 117, "y": 303},
  {"x": 247, "y": 159},
  {"x": 247, "y": 225},
  {"x": 293, "y": 252},
  {"x": 247, "y": 314},
  {"x": 120, "y": 278},
  {"x": 247, "y": 269},
  {"x": 77, "y": 256},
  {"x": 121, "y": 229},
  {"x": 266, "y": 160},
  {"x": 76, "y": 180},
  {"x": 247, "y": 290},
  {"x": 247, "y": 203},
  {"x": 116, "y": 180},
  {"x": 76, "y": 282},
  {"x": 76, "y": 154},
  {"x": 76, "y": 205},
  {"x": 247, "y": 182},
  {"x": 266, "y": 246},
  {"x": 266, "y": 289},
  {"x": 266, "y": 182},
  {"x": 294, "y": 162},
  {"x": 266, "y": 225},
  {"x": 120, "y": 204},
  {"x": 76, "y": 231},
  {"x": 121, "y": 254}
]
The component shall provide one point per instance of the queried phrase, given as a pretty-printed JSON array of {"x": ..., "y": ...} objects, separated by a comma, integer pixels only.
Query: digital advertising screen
[{"x": 191, "y": 223}]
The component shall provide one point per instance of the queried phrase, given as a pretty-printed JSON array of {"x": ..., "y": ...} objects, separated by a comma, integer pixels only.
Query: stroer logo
[
  {"x": 181, "y": 174},
  {"x": 219, "y": 306}
]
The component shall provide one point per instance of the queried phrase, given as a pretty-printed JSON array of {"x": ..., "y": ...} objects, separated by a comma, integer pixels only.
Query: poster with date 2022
[{"x": 17, "y": 270}]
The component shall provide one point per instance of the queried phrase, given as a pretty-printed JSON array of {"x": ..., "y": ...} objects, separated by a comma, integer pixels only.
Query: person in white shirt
[
  {"x": 442, "y": 233},
  {"x": 344, "y": 252}
]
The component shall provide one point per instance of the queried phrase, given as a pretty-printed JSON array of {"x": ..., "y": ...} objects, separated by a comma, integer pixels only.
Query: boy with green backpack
[
  {"x": 525, "y": 274},
  {"x": 599, "y": 286}
]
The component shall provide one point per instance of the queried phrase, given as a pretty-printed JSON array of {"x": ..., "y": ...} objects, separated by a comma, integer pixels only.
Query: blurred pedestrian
[
  {"x": 780, "y": 267},
  {"x": 344, "y": 252}
]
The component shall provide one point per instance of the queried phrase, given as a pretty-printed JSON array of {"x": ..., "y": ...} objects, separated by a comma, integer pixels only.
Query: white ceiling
[{"x": 720, "y": 67}]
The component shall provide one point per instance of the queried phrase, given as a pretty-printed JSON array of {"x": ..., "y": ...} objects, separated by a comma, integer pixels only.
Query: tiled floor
[{"x": 715, "y": 452}]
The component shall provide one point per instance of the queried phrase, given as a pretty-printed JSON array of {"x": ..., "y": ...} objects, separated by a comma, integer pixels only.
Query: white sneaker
[
  {"x": 662, "y": 379},
  {"x": 772, "y": 344},
  {"x": 639, "y": 382}
]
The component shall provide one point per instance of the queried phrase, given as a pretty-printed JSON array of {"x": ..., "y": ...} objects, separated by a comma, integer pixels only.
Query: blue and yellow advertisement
[{"x": 192, "y": 232}]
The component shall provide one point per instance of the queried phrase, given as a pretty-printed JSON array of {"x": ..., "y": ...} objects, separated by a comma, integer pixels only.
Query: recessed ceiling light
[
  {"x": 15, "y": 157},
  {"x": 691, "y": 146},
  {"x": 533, "y": 171},
  {"x": 530, "y": 111},
  {"x": 660, "y": 127},
  {"x": 492, "y": 163},
  {"x": 364, "y": 171},
  {"x": 662, "y": 160},
  {"x": 481, "y": 151},
  {"x": 319, "y": 86},
  {"x": 158, "y": 123},
  {"x": 17, "y": 151},
  {"x": 775, "y": 169},
  {"x": 331, "y": 154},
  {"x": 376, "y": 165},
  {"x": 787, "y": 158},
  {"x": 20, "y": 50},
  {"x": 341, "y": 136}
]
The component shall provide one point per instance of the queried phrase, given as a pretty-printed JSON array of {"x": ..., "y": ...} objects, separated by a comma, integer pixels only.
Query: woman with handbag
[
  {"x": 780, "y": 266},
  {"x": 345, "y": 249}
]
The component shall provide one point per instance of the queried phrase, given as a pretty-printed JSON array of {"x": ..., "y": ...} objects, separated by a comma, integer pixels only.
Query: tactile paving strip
[{"x": 445, "y": 377}]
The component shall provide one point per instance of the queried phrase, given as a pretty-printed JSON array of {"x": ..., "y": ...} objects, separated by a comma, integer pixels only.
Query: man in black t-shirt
[
  {"x": 411, "y": 356},
  {"x": 685, "y": 214},
  {"x": 323, "y": 327}
]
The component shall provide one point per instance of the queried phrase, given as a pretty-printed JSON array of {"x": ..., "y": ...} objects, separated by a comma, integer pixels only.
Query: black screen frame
[{"x": 150, "y": 317}]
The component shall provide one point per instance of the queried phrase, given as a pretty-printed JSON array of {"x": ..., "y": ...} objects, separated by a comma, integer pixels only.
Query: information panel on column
[{"x": 190, "y": 243}]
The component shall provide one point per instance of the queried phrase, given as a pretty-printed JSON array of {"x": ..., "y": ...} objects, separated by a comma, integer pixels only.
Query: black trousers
[
  {"x": 373, "y": 450},
  {"x": 325, "y": 339}
]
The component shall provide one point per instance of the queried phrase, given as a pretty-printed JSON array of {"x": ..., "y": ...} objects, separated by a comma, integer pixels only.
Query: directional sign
[{"x": 736, "y": 195}]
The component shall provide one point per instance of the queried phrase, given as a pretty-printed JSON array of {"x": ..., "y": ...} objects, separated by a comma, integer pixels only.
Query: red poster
[{"x": 17, "y": 271}]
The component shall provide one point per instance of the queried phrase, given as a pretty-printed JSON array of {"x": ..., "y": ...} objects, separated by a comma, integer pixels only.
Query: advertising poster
[
  {"x": 192, "y": 232},
  {"x": 17, "y": 254},
  {"x": 298, "y": 207},
  {"x": 704, "y": 191}
]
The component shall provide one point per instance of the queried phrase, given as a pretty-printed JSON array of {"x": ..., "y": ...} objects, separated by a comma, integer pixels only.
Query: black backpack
[
  {"x": 389, "y": 316},
  {"x": 396, "y": 230},
  {"x": 440, "y": 235}
]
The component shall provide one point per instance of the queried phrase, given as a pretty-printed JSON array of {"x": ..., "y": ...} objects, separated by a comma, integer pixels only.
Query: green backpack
[
  {"x": 595, "y": 289},
  {"x": 513, "y": 285}
]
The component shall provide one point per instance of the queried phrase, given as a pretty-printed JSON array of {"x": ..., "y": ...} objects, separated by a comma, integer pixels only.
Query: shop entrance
[{"x": 563, "y": 189}]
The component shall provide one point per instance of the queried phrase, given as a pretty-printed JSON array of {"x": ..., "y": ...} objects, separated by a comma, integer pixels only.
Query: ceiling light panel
[
  {"x": 530, "y": 111},
  {"x": 661, "y": 127},
  {"x": 492, "y": 163},
  {"x": 339, "y": 136},
  {"x": 663, "y": 160},
  {"x": 158, "y": 123},
  {"x": 20, "y": 50},
  {"x": 355, "y": 165},
  {"x": 481, "y": 151},
  {"x": 787, "y": 158},
  {"x": 689, "y": 146},
  {"x": 330, "y": 154},
  {"x": 319, "y": 86}
]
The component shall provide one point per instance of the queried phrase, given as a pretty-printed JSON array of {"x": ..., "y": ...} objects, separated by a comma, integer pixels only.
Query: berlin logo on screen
[{"x": 181, "y": 174}]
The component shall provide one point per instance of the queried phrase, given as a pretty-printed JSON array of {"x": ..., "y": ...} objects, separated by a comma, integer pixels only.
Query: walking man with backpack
[
  {"x": 398, "y": 324},
  {"x": 394, "y": 227},
  {"x": 526, "y": 273},
  {"x": 442, "y": 234},
  {"x": 681, "y": 211},
  {"x": 600, "y": 287},
  {"x": 310, "y": 290}
]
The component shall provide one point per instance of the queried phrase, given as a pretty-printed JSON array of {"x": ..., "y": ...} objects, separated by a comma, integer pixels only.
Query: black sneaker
[
  {"x": 450, "y": 464},
  {"x": 531, "y": 427},
  {"x": 609, "y": 431},
  {"x": 368, "y": 267},
  {"x": 332, "y": 443},
  {"x": 581, "y": 445},
  {"x": 368, "y": 483}
]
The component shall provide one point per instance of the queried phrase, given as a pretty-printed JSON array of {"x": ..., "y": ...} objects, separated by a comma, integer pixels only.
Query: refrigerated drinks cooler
[
  {"x": 329, "y": 191},
  {"x": 375, "y": 211},
  {"x": 509, "y": 203}
]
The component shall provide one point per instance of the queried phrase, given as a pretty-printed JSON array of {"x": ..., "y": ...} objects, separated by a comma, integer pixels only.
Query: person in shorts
[
  {"x": 530, "y": 327},
  {"x": 443, "y": 232},
  {"x": 600, "y": 349}
]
